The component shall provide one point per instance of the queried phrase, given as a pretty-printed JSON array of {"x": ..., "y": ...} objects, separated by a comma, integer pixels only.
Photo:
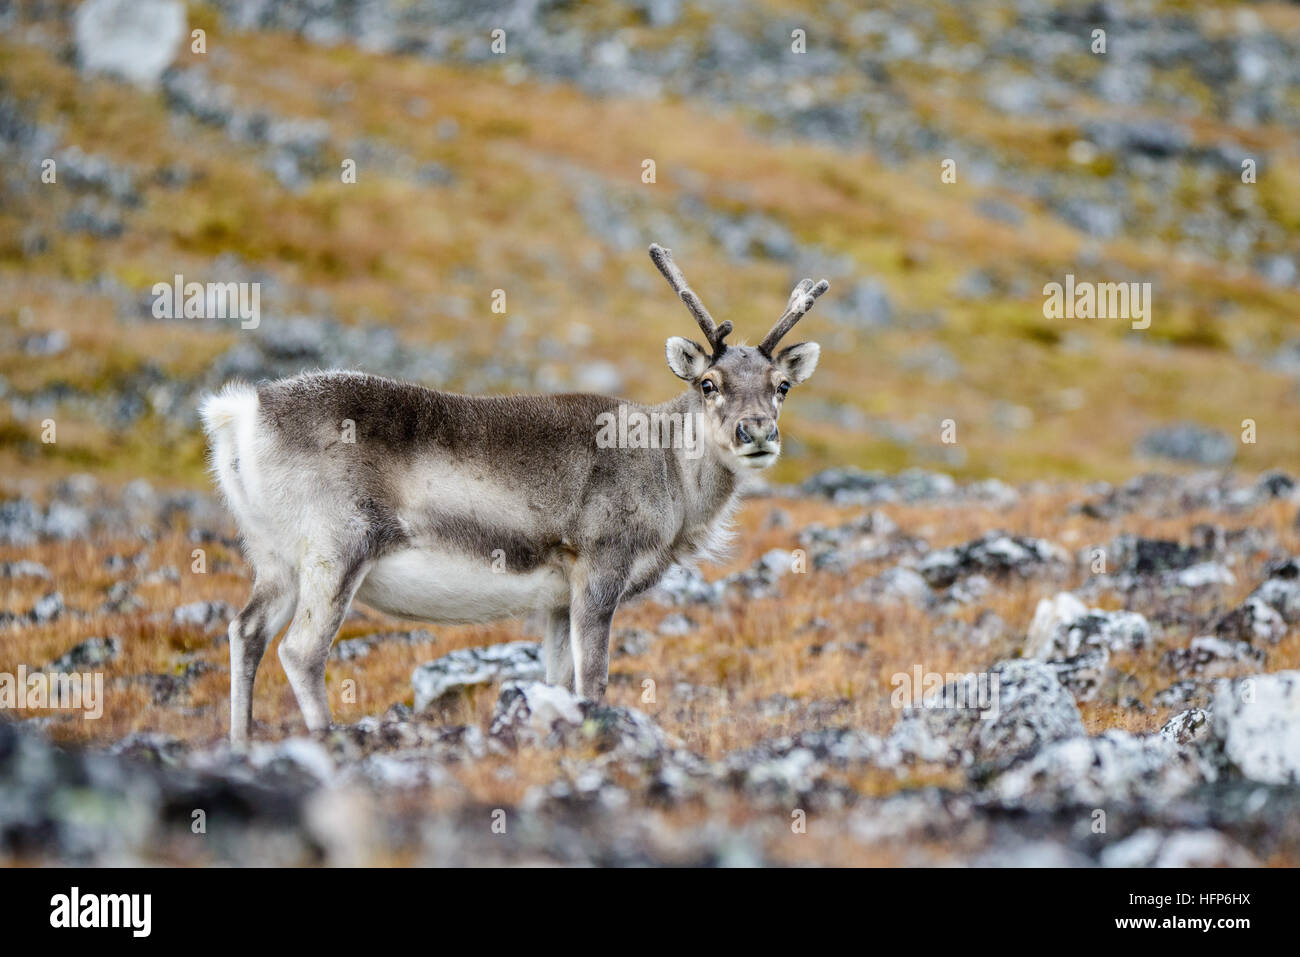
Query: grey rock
[
  {"x": 1153, "y": 556},
  {"x": 1253, "y": 621},
  {"x": 1030, "y": 710},
  {"x": 853, "y": 486},
  {"x": 1204, "y": 575},
  {"x": 91, "y": 653},
  {"x": 866, "y": 304},
  {"x": 1187, "y": 442},
  {"x": 1188, "y": 692},
  {"x": 684, "y": 585},
  {"x": 1082, "y": 674},
  {"x": 65, "y": 522},
  {"x": 1281, "y": 590},
  {"x": 207, "y": 615},
  {"x": 994, "y": 553},
  {"x": 350, "y": 649},
  {"x": 25, "y": 569},
  {"x": 1255, "y": 727},
  {"x": 132, "y": 39},
  {"x": 44, "y": 344},
  {"x": 1187, "y": 727},
  {"x": 1096, "y": 771},
  {"x": 797, "y": 769},
  {"x": 896, "y": 585},
  {"x": 47, "y": 608},
  {"x": 1210, "y": 655},
  {"x": 1063, "y": 627},
  {"x": 536, "y": 714},
  {"x": 20, "y": 522},
  {"x": 467, "y": 668},
  {"x": 676, "y": 624},
  {"x": 1183, "y": 848}
]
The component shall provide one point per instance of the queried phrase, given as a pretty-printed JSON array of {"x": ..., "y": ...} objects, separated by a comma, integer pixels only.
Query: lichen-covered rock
[
  {"x": 1255, "y": 729},
  {"x": 1187, "y": 442},
  {"x": 848, "y": 485},
  {"x": 207, "y": 615},
  {"x": 436, "y": 680},
  {"x": 1029, "y": 710},
  {"x": 1281, "y": 589},
  {"x": 47, "y": 608},
  {"x": 1190, "y": 692},
  {"x": 1063, "y": 627},
  {"x": 90, "y": 653},
  {"x": 684, "y": 585},
  {"x": 532, "y": 713},
  {"x": 994, "y": 553},
  {"x": 1150, "y": 847},
  {"x": 1114, "y": 766},
  {"x": 1254, "y": 621},
  {"x": 897, "y": 585},
  {"x": 72, "y": 806},
  {"x": 1207, "y": 655},
  {"x": 24, "y": 569},
  {"x": 1202, "y": 575},
  {"x": 1153, "y": 556},
  {"x": 1187, "y": 727},
  {"x": 870, "y": 537},
  {"x": 760, "y": 578},
  {"x": 1082, "y": 674},
  {"x": 351, "y": 649}
]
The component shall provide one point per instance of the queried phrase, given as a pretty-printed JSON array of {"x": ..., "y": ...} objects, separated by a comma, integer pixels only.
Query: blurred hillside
[
  {"x": 1144, "y": 629},
  {"x": 521, "y": 171}
]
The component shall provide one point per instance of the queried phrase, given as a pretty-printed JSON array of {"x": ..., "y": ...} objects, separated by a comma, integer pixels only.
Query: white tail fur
[{"x": 229, "y": 418}]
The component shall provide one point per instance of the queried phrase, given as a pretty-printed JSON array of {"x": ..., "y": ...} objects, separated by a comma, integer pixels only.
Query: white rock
[
  {"x": 1050, "y": 614},
  {"x": 135, "y": 40},
  {"x": 1204, "y": 575},
  {"x": 1256, "y": 722},
  {"x": 1116, "y": 765},
  {"x": 531, "y": 710},
  {"x": 1063, "y": 628},
  {"x": 1187, "y": 727},
  {"x": 471, "y": 667},
  {"x": 1186, "y": 848}
]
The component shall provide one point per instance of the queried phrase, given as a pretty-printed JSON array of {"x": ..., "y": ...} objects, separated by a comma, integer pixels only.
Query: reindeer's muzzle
[{"x": 758, "y": 441}]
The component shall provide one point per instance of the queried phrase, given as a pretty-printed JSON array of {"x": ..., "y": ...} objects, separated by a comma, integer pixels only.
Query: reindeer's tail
[{"x": 230, "y": 418}]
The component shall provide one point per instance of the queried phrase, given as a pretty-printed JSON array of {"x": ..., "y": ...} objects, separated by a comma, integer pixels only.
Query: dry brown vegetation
[{"x": 748, "y": 651}]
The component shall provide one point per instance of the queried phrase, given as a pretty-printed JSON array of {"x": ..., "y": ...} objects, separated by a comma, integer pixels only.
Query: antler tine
[
  {"x": 663, "y": 259},
  {"x": 801, "y": 300}
]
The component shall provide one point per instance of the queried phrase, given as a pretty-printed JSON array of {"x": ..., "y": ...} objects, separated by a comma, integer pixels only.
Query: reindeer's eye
[
  {"x": 707, "y": 387},
  {"x": 783, "y": 388}
]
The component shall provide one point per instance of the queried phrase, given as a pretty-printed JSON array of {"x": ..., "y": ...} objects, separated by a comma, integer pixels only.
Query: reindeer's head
[{"x": 741, "y": 388}]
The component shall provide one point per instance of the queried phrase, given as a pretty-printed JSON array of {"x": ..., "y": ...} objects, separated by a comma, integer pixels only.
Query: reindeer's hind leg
[
  {"x": 269, "y": 608},
  {"x": 326, "y": 585},
  {"x": 559, "y": 658}
]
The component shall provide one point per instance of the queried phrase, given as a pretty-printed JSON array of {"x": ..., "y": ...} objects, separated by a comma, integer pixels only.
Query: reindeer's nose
[{"x": 760, "y": 428}]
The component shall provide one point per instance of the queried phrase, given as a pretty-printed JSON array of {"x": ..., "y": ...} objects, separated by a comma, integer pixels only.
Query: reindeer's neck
[{"x": 708, "y": 487}]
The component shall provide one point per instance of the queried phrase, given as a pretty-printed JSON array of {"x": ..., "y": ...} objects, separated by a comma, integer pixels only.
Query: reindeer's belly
[{"x": 448, "y": 588}]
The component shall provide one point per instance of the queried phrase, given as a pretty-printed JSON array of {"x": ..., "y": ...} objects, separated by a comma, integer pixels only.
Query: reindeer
[{"x": 458, "y": 509}]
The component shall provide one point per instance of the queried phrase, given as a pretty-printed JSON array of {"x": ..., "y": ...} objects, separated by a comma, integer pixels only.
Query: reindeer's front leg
[{"x": 596, "y": 589}]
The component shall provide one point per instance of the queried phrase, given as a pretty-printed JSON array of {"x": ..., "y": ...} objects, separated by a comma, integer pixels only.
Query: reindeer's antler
[
  {"x": 801, "y": 300},
  {"x": 663, "y": 258}
]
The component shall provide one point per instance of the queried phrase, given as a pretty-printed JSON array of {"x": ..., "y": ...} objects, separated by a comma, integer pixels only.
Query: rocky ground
[{"x": 1144, "y": 641}]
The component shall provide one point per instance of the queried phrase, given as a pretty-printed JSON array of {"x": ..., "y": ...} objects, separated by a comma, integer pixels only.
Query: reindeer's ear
[
  {"x": 798, "y": 361},
  {"x": 687, "y": 359}
]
